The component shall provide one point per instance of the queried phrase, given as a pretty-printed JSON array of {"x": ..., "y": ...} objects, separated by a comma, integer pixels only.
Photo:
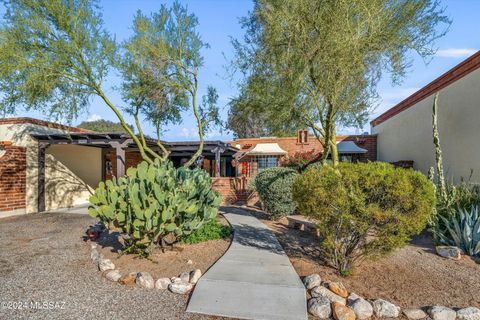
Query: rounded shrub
[
  {"x": 156, "y": 204},
  {"x": 364, "y": 209},
  {"x": 274, "y": 187}
]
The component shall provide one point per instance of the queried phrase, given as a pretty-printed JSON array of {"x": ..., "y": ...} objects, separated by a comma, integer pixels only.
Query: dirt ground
[
  {"x": 413, "y": 276},
  {"x": 44, "y": 260},
  {"x": 169, "y": 263}
]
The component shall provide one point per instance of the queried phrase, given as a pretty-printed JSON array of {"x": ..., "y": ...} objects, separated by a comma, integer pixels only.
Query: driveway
[{"x": 46, "y": 272}]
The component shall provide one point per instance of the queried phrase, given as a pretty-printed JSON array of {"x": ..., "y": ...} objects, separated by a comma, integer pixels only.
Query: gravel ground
[
  {"x": 414, "y": 276},
  {"x": 44, "y": 260}
]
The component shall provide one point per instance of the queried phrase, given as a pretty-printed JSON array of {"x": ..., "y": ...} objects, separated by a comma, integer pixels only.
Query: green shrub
[
  {"x": 462, "y": 230},
  {"x": 155, "y": 204},
  {"x": 274, "y": 187},
  {"x": 212, "y": 230},
  {"x": 365, "y": 209}
]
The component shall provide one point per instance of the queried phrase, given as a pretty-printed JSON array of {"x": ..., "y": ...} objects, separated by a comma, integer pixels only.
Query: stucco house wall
[
  {"x": 71, "y": 174},
  {"x": 407, "y": 135}
]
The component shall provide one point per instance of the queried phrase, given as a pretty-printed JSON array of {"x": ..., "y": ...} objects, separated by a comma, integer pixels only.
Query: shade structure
[
  {"x": 349, "y": 147},
  {"x": 267, "y": 149}
]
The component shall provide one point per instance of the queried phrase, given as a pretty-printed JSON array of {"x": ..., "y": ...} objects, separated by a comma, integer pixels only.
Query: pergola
[{"x": 120, "y": 142}]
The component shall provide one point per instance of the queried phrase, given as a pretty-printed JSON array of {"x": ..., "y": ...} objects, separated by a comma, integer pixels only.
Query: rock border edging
[{"x": 331, "y": 299}]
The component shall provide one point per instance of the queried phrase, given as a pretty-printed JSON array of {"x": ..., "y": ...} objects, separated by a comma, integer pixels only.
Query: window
[{"x": 264, "y": 162}]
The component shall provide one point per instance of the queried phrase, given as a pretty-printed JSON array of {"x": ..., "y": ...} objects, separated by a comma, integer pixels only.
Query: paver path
[{"x": 253, "y": 280}]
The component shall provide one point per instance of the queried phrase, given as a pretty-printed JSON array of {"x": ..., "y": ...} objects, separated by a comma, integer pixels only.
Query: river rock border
[
  {"x": 331, "y": 299},
  {"x": 182, "y": 284}
]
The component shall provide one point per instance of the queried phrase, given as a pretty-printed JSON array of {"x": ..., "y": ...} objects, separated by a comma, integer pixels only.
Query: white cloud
[
  {"x": 94, "y": 117},
  {"x": 455, "y": 52},
  {"x": 188, "y": 133}
]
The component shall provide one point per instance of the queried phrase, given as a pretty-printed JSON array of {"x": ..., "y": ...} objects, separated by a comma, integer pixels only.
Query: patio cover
[
  {"x": 267, "y": 149},
  {"x": 349, "y": 147}
]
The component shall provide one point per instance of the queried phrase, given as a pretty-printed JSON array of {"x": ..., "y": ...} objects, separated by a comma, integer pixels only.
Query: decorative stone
[
  {"x": 312, "y": 281},
  {"x": 352, "y": 297},
  {"x": 342, "y": 312},
  {"x": 319, "y": 307},
  {"x": 442, "y": 313},
  {"x": 414, "y": 314},
  {"x": 338, "y": 288},
  {"x": 320, "y": 291},
  {"x": 195, "y": 276},
  {"x": 189, "y": 262},
  {"x": 113, "y": 275},
  {"x": 362, "y": 308},
  {"x": 95, "y": 256},
  {"x": 385, "y": 309},
  {"x": 470, "y": 313},
  {"x": 105, "y": 264},
  {"x": 184, "y": 276},
  {"x": 162, "y": 283},
  {"x": 128, "y": 279},
  {"x": 449, "y": 252},
  {"x": 175, "y": 279},
  {"x": 180, "y": 287},
  {"x": 145, "y": 280}
]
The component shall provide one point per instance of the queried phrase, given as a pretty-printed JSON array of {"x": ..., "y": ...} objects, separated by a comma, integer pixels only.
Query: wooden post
[
  {"x": 218, "y": 151},
  {"x": 41, "y": 177},
  {"x": 120, "y": 156}
]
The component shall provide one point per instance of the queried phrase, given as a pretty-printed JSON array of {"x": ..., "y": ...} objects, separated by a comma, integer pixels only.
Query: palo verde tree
[
  {"x": 317, "y": 62},
  {"x": 161, "y": 66},
  {"x": 55, "y": 56}
]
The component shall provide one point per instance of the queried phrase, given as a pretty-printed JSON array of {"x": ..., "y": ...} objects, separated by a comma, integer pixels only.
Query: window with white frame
[{"x": 264, "y": 162}]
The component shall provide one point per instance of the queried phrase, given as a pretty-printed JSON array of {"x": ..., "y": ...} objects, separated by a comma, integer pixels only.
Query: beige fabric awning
[{"x": 267, "y": 149}]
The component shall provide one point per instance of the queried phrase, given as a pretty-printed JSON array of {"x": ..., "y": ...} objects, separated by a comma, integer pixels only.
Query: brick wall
[
  {"x": 234, "y": 190},
  {"x": 292, "y": 146},
  {"x": 13, "y": 168}
]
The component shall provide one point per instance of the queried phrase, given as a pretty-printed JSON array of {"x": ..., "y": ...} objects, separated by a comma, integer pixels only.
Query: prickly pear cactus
[{"x": 155, "y": 202}]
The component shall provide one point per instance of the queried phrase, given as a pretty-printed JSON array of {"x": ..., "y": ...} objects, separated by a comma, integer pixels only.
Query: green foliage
[
  {"x": 103, "y": 126},
  {"x": 274, "y": 187},
  {"x": 155, "y": 203},
  {"x": 364, "y": 209},
  {"x": 52, "y": 55},
  {"x": 56, "y": 54},
  {"x": 462, "y": 230},
  {"x": 318, "y": 62},
  {"x": 212, "y": 230}
]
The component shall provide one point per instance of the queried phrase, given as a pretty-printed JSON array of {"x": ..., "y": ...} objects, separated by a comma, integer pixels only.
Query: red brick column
[{"x": 13, "y": 169}]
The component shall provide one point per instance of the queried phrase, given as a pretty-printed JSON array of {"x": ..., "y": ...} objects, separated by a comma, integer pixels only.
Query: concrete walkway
[{"x": 253, "y": 280}]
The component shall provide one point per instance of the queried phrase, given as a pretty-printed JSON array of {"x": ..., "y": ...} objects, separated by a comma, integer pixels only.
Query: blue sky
[{"x": 219, "y": 21}]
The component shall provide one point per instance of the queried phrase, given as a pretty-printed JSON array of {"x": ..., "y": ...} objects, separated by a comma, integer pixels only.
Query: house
[
  {"x": 257, "y": 154},
  {"x": 405, "y": 131},
  {"x": 46, "y": 166}
]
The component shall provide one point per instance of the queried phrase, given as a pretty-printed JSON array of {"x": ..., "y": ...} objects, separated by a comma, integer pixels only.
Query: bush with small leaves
[
  {"x": 363, "y": 209},
  {"x": 274, "y": 187}
]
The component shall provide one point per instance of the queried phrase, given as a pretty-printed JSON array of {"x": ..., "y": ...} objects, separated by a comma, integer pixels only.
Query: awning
[
  {"x": 349, "y": 147},
  {"x": 267, "y": 149}
]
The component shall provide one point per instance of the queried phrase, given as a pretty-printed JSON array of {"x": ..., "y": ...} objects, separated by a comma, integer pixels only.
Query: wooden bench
[{"x": 302, "y": 223}]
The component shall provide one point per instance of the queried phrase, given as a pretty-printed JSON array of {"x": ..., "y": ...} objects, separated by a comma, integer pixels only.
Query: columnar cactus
[{"x": 156, "y": 202}]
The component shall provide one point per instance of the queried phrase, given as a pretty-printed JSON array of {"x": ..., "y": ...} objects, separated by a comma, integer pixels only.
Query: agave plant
[{"x": 462, "y": 230}]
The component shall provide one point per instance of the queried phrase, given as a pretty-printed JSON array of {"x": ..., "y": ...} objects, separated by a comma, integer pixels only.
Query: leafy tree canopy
[
  {"x": 317, "y": 63},
  {"x": 103, "y": 126},
  {"x": 56, "y": 54}
]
